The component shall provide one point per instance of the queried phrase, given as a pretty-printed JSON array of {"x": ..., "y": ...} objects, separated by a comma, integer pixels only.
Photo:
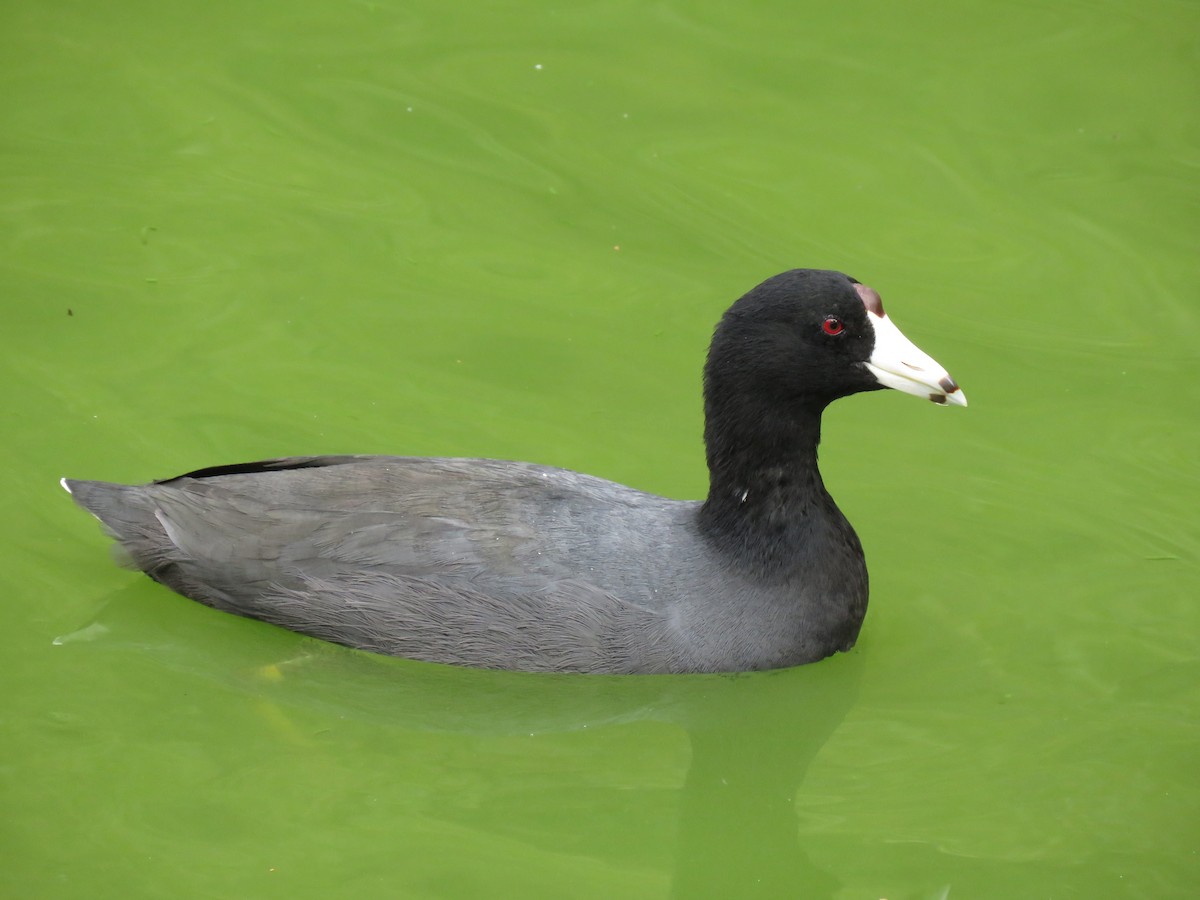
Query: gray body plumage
[{"x": 475, "y": 562}]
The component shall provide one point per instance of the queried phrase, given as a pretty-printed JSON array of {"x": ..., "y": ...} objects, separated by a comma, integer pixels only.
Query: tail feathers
[{"x": 128, "y": 515}]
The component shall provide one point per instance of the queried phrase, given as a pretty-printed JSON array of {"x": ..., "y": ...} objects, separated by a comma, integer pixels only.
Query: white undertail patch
[{"x": 172, "y": 534}]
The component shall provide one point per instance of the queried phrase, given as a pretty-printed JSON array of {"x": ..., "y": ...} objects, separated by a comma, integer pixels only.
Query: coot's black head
[
  {"x": 779, "y": 356},
  {"x": 807, "y": 337}
]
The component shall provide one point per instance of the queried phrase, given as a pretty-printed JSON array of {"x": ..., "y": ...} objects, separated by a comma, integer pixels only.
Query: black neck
[{"x": 766, "y": 498}]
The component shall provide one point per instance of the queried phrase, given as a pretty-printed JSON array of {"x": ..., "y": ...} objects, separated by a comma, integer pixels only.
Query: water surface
[{"x": 236, "y": 231}]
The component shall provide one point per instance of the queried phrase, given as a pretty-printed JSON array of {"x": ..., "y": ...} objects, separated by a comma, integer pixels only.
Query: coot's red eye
[{"x": 832, "y": 325}]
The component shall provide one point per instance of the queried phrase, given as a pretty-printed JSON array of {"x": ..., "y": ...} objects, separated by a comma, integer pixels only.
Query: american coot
[{"x": 511, "y": 565}]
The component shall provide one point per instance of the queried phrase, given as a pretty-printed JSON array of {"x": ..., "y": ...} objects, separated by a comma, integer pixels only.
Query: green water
[{"x": 232, "y": 231}]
